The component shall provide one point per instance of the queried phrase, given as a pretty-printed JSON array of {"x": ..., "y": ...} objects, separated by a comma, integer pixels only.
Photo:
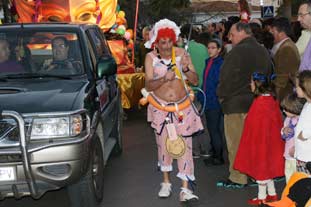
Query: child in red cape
[{"x": 260, "y": 153}]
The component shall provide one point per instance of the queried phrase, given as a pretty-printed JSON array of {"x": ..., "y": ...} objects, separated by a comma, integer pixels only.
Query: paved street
[{"x": 132, "y": 180}]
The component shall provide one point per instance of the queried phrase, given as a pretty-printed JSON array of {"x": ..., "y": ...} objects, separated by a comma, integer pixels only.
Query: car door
[
  {"x": 111, "y": 79},
  {"x": 104, "y": 85}
]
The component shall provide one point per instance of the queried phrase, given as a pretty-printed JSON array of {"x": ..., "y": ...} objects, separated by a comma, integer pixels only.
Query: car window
[
  {"x": 98, "y": 42},
  {"x": 105, "y": 43},
  {"x": 56, "y": 53},
  {"x": 92, "y": 54}
]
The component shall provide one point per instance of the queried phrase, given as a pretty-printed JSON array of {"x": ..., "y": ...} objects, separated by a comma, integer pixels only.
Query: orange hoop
[{"x": 148, "y": 97}]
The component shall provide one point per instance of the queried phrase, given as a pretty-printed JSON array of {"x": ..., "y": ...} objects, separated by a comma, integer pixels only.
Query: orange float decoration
[
  {"x": 119, "y": 51},
  {"x": 148, "y": 97},
  {"x": 100, "y": 12}
]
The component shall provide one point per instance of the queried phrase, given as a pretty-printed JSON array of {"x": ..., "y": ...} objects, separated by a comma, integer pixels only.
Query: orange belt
[{"x": 175, "y": 107}]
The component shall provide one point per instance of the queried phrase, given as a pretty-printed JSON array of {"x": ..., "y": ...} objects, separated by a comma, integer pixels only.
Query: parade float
[{"x": 109, "y": 17}]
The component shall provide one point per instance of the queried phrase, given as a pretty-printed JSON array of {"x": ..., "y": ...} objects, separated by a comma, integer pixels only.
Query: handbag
[
  {"x": 175, "y": 144},
  {"x": 176, "y": 148}
]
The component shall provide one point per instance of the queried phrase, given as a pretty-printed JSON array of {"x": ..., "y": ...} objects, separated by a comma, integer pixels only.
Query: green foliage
[
  {"x": 165, "y": 5},
  {"x": 171, "y": 9}
]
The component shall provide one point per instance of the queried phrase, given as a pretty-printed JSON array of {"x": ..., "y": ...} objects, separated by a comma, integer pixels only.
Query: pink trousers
[{"x": 190, "y": 124}]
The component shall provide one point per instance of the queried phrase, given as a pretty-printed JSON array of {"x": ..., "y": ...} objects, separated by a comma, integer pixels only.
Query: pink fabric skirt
[{"x": 190, "y": 124}]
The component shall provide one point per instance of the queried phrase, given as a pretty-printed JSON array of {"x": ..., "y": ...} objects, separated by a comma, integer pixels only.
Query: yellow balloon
[{"x": 121, "y": 14}]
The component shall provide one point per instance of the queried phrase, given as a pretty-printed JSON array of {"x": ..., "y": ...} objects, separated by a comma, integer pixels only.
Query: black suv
[{"x": 60, "y": 110}]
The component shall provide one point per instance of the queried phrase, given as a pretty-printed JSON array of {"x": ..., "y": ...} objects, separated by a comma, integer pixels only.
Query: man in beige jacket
[{"x": 285, "y": 55}]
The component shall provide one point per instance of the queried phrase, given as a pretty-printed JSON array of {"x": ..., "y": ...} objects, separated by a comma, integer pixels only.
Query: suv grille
[
  {"x": 9, "y": 129},
  {"x": 10, "y": 158}
]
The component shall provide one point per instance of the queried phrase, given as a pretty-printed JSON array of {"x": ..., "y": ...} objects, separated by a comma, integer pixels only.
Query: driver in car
[{"x": 60, "y": 48}]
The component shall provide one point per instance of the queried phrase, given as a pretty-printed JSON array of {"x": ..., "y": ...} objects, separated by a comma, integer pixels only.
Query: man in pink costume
[{"x": 164, "y": 77}]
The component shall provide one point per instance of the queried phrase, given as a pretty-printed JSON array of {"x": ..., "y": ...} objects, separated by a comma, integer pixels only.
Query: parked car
[{"x": 60, "y": 110}]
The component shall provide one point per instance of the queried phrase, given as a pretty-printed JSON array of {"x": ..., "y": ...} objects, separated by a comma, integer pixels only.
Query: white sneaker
[
  {"x": 187, "y": 195},
  {"x": 165, "y": 190}
]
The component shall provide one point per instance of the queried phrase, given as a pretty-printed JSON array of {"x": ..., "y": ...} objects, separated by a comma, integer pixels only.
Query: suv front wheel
[{"x": 88, "y": 191}]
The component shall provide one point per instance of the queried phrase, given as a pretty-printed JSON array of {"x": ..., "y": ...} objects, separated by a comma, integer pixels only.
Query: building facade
[{"x": 207, "y": 11}]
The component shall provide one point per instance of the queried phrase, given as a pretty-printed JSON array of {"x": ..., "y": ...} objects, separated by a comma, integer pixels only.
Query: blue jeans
[{"x": 215, "y": 126}]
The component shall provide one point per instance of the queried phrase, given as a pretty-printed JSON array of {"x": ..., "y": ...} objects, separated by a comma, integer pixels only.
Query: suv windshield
[{"x": 36, "y": 52}]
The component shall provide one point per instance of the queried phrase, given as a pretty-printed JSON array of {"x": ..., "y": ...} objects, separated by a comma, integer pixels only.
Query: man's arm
[
  {"x": 188, "y": 68},
  {"x": 47, "y": 65},
  {"x": 77, "y": 65},
  {"x": 191, "y": 75}
]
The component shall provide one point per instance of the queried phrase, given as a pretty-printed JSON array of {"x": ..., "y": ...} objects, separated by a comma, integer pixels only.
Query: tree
[
  {"x": 163, "y": 6},
  {"x": 289, "y": 8},
  {"x": 151, "y": 11},
  {"x": 169, "y": 9},
  {"x": 6, "y": 11},
  {"x": 129, "y": 8},
  {"x": 286, "y": 9}
]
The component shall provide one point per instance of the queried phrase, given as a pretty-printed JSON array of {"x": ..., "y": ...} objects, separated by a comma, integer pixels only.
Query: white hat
[{"x": 163, "y": 23}]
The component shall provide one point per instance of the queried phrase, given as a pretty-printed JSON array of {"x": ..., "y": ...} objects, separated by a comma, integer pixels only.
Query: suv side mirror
[{"x": 106, "y": 66}]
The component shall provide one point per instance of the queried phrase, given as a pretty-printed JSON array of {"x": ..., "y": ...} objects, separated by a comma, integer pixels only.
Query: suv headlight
[{"x": 57, "y": 127}]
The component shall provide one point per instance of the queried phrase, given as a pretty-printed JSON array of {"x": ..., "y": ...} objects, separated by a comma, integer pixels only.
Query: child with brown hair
[
  {"x": 260, "y": 153},
  {"x": 292, "y": 106}
]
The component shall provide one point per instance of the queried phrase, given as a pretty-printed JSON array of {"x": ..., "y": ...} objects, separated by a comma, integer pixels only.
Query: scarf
[{"x": 207, "y": 69}]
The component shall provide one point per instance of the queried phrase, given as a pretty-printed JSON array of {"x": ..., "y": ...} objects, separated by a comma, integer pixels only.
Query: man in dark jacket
[{"x": 235, "y": 96}]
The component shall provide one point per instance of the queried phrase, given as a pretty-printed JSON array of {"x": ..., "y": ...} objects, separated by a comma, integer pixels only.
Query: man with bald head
[
  {"x": 7, "y": 65},
  {"x": 234, "y": 93}
]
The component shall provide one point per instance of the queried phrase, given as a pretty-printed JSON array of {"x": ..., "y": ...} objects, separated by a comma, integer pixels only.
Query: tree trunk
[
  {"x": 287, "y": 9},
  {"x": 6, "y": 11}
]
